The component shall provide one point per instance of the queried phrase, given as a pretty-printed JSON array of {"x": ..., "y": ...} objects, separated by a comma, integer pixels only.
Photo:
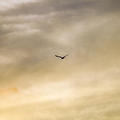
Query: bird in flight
[{"x": 61, "y": 57}]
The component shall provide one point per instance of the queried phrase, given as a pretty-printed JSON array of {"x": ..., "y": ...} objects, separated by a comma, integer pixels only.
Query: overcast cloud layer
[{"x": 33, "y": 31}]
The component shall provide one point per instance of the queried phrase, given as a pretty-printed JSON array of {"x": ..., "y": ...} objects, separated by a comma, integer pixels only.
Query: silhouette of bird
[{"x": 61, "y": 57}]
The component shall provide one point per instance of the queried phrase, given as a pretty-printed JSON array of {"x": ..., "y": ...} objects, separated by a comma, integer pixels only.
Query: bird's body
[{"x": 61, "y": 57}]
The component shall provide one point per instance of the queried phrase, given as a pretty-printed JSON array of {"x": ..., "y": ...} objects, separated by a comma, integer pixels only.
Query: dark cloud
[
  {"x": 47, "y": 7},
  {"x": 110, "y": 6},
  {"x": 76, "y": 6}
]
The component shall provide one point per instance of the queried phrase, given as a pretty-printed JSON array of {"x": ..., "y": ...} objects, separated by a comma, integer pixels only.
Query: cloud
[
  {"x": 73, "y": 7},
  {"x": 32, "y": 32},
  {"x": 6, "y": 4},
  {"x": 47, "y": 7}
]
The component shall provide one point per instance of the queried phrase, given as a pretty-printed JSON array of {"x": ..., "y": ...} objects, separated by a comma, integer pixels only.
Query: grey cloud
[
  {"x": 58, "y": 17},
  {"x": 76, "y": 6},
  {"x": 110, "y": 6},
  {"x": 50, "y": 6}
]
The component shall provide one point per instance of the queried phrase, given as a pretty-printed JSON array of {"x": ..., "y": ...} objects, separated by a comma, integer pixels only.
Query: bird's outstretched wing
[{"x": 58, "y": 56}]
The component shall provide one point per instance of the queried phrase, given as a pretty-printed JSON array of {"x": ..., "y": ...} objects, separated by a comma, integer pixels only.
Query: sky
[{"x": 33, "y": 31}]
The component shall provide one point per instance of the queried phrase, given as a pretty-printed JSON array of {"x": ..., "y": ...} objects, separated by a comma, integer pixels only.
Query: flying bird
[{"x": 61, "y": 57}]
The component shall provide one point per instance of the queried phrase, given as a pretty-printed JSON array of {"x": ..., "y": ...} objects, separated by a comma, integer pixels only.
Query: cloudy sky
[{"x": 33, "y": 31}]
